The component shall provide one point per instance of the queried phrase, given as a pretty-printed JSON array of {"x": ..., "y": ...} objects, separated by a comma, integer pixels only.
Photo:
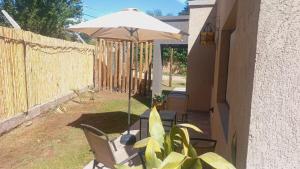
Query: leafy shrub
[{"x": 173, "y": 150}]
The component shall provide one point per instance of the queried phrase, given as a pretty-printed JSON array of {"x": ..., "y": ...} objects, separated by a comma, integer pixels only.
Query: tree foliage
[
  {"x": 155, "y": 12},
  {"x": 186, "y": 9},
  {"x": 179, "y": 57},
  {"x": 46, "y": 17}
]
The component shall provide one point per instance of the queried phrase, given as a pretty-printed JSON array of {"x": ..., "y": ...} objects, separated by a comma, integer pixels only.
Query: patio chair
[
  {"x": 203, "y": 145},
  {"x": 177, "y": 102},
  {"x": 104, "y": 149}
]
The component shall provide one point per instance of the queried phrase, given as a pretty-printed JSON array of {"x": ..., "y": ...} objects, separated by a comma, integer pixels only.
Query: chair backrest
[
  {"x": 100, "y": 145},
  {"x": 177, "y": 102},
  {"x": 203, "y": 145}
]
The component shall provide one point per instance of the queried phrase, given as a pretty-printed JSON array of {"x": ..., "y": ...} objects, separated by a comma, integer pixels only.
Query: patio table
[{"x": 166, "y": 116}]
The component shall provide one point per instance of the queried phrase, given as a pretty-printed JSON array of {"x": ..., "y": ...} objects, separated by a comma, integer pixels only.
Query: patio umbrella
[{"x": 132, "y": 25}]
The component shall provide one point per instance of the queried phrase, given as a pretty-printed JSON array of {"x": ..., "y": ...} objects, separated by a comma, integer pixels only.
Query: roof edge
[{"x": 202, "y": 3}]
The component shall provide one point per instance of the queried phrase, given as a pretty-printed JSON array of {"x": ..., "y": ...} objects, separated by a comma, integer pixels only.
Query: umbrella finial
[{"x": 131, "y": 9}]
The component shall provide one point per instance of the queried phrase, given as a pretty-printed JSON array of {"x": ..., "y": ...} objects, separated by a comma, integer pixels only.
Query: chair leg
[
  {"x": 186, "y": 117},
  {"x": 95, "y": 164},
  {"x": 142, "y": 160}
]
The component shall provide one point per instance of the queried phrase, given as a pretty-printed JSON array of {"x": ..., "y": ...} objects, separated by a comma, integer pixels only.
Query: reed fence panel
[{"x": 35, "y": 69}]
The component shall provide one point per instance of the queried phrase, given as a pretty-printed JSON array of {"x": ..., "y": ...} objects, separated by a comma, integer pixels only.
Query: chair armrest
[
  {"x": 112, "y": 142},
  {"x": 138, "y": 154},
  {"x": 206, "y": 140},
  {"x": 179, "y": 93}
]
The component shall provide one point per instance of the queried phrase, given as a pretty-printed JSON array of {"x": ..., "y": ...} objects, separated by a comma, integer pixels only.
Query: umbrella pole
[
  {"x": 129, "y": 139},
  {"x": 130, "y": 90}
]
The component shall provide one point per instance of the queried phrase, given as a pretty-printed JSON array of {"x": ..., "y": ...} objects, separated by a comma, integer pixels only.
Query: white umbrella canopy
[
  {"x": 119, "y": 25},
  {"x": 131, "y": 25}
]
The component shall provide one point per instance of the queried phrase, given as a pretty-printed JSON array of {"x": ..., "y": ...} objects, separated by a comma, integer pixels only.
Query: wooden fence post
[
  {"x": 141, "y": 68},
  {"x": 136, "y": 68},
  {"x": 150, "y": 66},
  {"x": 146, "y": 68},
  {"x": 104, "y": 64},
  {"x": 171, "y": 65},
  {"x": 110, "y": 66},
  {"x": 132, "y": 69},
  {"x": 99, "y": 51},
  {"x": 128, "y": 66},
  {"x": 123, "y": 68},
  {"x": 115, "y": 65},
  {"x": 119, "y": 67}
]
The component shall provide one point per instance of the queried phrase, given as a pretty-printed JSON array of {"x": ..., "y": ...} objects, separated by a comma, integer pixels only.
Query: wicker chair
[{"x": 105, "y": 150}]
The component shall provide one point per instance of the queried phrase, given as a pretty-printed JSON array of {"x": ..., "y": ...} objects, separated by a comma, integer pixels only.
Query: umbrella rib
[
  {"x": 131, "y": 31},
  {"x": 96, "y": 32}
]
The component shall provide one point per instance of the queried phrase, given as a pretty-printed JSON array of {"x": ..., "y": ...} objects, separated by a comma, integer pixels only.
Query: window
[{"x": 225, "y": 48}]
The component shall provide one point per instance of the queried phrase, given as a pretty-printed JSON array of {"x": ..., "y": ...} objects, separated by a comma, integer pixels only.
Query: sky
[{"x": 98, "y": 8}]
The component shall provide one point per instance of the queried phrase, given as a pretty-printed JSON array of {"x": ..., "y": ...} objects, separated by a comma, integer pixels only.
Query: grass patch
[{"x": 56, "y": 141}]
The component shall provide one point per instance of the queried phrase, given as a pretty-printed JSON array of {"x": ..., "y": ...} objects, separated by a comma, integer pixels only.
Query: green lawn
[{"x": 55, "y": 140}]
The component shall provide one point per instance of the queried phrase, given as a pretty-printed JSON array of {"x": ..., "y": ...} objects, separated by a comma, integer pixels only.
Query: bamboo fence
[
  {"x": 113, "y": 61},
  {"x": 35, "y": 69}
]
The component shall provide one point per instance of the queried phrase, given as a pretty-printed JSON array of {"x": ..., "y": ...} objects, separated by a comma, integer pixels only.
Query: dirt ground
[{"x": 54, "y": 139}]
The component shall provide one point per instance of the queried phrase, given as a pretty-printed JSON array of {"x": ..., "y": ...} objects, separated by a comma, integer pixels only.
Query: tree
[
  {"x": 155, "y": 12},
  {"x": 186, "y": 9},
  {"x": 46, "y": 17},
  {"x": 180, "y": 57}
]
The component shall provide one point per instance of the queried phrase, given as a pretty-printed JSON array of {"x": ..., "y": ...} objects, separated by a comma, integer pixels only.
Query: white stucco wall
[
  {"x": 263, "y": 88},
  {"x": 274, "y": 133}
]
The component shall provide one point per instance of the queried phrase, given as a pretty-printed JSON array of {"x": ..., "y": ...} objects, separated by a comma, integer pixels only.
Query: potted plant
[
  {"x": 173, "y": 150},
  {"x": 158, "y": 101}
]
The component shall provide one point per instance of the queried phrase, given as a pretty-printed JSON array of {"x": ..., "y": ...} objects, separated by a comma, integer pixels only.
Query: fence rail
[
  {"x": 35, "y": 69},
  {"x": 113, "y": 62}
]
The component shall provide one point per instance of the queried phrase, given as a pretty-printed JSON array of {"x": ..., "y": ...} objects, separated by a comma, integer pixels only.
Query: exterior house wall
[
  {"x": 231, "y": 116},
  {"x": 275, "y": 109},
  {"x": 261, "y": 103},
  {"x": 200, "y": 59}
]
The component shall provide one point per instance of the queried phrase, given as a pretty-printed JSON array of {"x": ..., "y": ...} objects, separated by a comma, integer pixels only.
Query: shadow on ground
[
  {"x": 146, "y": 100},
  {"x": 108, "y": 122}
]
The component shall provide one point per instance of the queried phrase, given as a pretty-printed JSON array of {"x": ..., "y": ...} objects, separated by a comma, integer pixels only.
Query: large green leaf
[
  {"x": 183, "y": 135},
  {"x": 216, "y": 161},
  {"x": 178, "y": 134},
  {"x": 168, "y": 147},
  {"x": 191, "y": 127},
  {"x": 142, "y": 143},
  {"x": 173, "y": 161},
  {"x": 192, "y": 152},
  {"x": 145, "y": 142},
  {"x": 186, "y": 141},
  {"x": 151, "y": 159},
  {"x": 156, "y": 128},
  {"x": 191, "y": 163}
]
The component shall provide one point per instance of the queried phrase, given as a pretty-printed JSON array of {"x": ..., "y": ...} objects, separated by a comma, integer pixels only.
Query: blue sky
[{"x": 102, "y": 7}]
